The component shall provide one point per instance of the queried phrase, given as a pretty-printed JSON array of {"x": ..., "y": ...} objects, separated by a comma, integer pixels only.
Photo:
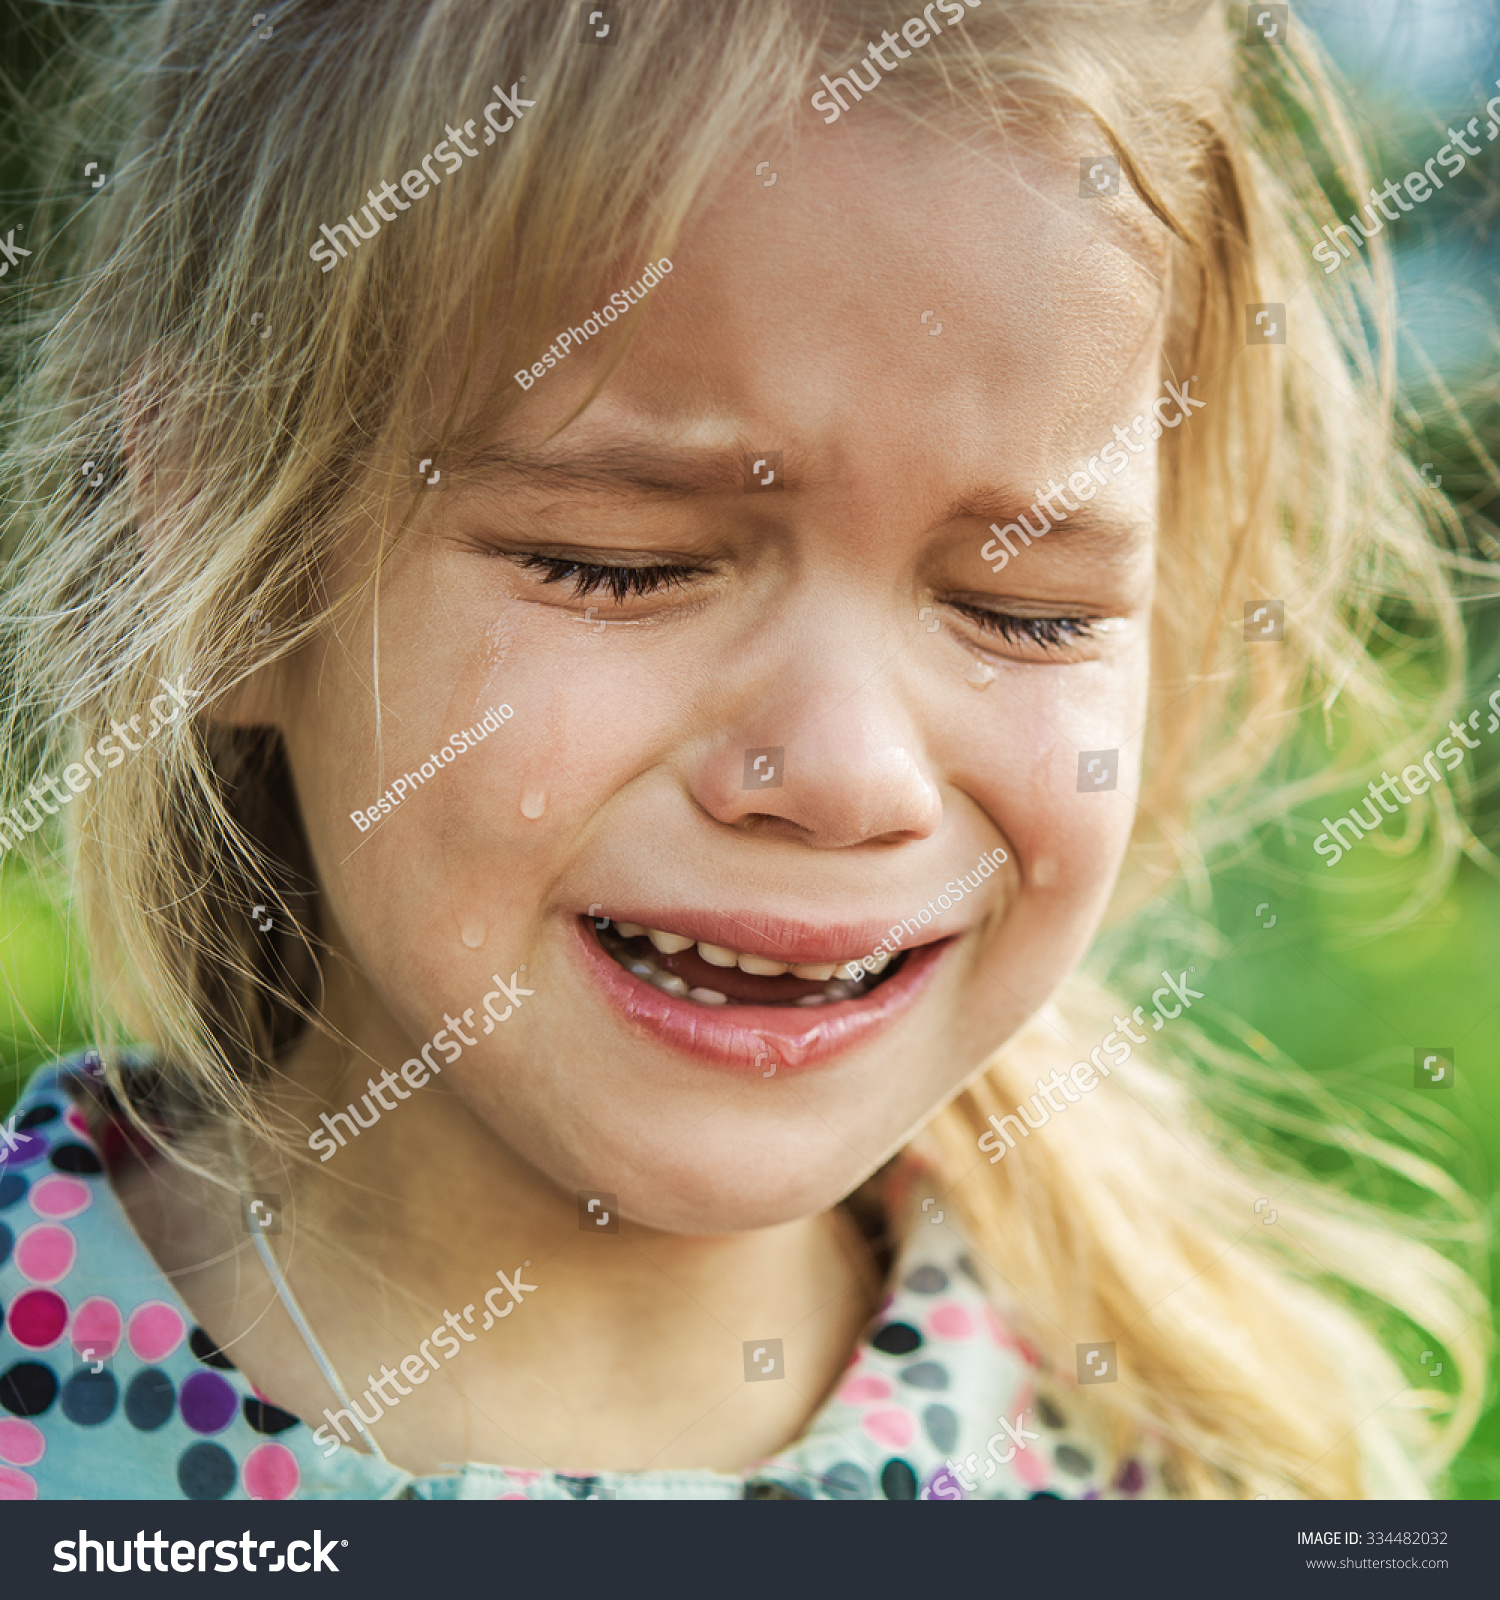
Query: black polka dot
[
  {"x": 28, "y": 1388},
  {"x": 773, "y": 1489},
  {"x": 927, "y": 1280},
  {"x": 1044, "y": 1494},
  {"x": 89, "y": 1398},
  {"x": 897, "y": 1480},
  {"x": 266, "y": 1418},
  {"x": 208, "y": 1352},
  {"x": 926, "y": 1375},
  {"x": 1074, "y": 1461},
  {"x": 7, "y": 1239},
  {"x": 1050, "y": 1414},
  {"x": 37, "y": 1117},
  {"x": 969, "y": 1270},
  {"x": 897, "y": 1339},
  {"x": 206, "y": 1472},
  {"x": 150, "y": 1400},
  {"x": 846, "y": 1480},
  {"x": 12, "y": 1187},
  {"x": 77, "y": 1159}
]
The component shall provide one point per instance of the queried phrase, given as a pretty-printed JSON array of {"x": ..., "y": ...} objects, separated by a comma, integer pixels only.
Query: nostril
[{"x": 764, "y": 823}]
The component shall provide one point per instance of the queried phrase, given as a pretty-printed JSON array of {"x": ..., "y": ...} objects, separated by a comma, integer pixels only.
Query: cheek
[
  {"x": 1065, "y": 824},
  {"x": 460, "y": 869}
]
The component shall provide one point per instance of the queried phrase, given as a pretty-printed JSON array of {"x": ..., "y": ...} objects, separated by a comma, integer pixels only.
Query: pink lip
[
  {"x": 749, "y": 1038},
  {"x": 754, "y": 933}
]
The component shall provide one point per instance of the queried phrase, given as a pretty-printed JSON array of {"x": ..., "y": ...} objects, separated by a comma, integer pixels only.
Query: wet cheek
[
  {"x": 1066, "y": 807},
  {"x": 466, "y": 859}
]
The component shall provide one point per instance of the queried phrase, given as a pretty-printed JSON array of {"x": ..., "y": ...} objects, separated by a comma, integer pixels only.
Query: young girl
[{"x": 586, "y": 962}]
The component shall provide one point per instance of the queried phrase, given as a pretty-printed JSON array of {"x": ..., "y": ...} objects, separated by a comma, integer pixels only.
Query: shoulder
[{"x": 108, "y": 1390}]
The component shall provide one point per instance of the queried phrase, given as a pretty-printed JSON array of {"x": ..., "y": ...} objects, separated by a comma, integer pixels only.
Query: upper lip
[{"x": 758, "y": 933}]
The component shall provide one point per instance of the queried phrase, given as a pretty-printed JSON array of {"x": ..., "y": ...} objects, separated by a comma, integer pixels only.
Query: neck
[{"x": 626, "y": 1353}]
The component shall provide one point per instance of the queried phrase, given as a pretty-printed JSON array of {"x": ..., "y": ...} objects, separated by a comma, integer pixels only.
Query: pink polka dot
[
  {"x": 46, "y": 1253},
  {"x": 271, "y": 1473},
  {"x": 523, "y": 1475},
  {"x": 999, "y": 1331},
  {"x": 16, "y": 1485},
  {"x": 861, "y": 1391},
  {"x": 21, "y": 1443},
  {"x": 1031, "y": 1469},
  {"x": 59, "y": 1198},
  {"x": 76, "y": 1120},
  {"x": 154, "y": 1331},
  {"x": 951, "y": 1322},
  {"x": 512, "y": 1496},
  {"x": 96, "y": 1326},
  {"x": 892, "y": 1427},
  {"x": 36, "y": 1318}
]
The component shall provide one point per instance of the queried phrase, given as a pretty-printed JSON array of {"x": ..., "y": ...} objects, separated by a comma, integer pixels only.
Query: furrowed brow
[
  {"x": 613, "y": 469},
  {"x": 1085, "y": 525}
]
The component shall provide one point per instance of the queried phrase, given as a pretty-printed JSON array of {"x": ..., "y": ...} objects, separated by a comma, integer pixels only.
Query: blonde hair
[{"x": 1245, "y": 1351}]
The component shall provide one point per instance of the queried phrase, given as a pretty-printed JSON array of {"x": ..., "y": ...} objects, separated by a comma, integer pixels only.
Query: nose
[{"x": 819, "y": 746}]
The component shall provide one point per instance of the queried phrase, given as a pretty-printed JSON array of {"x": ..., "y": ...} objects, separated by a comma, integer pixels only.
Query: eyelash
[
  {"x": 1051, "y": 633},
  {"x": 624, "y": 583}
]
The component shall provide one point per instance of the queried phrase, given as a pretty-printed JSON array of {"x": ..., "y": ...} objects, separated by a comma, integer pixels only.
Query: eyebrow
[
  {"x": 1086, "y": 525},
  {"x": 617, "y": 469},
  {"x": 681, "y": 471}
]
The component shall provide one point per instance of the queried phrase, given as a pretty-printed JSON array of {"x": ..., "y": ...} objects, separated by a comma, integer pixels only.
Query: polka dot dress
[{"x": 109, "y": 1391}]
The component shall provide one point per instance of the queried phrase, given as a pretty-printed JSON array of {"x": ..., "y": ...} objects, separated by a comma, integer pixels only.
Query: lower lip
[{"x": 757, "y": 1038}]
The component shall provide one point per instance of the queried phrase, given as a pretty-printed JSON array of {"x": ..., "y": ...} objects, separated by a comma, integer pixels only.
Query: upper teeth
[{"x": 718, "y": 955}]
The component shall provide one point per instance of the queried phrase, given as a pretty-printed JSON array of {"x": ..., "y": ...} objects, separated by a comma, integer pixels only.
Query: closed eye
[
  {"x": 622, "y": 583},
  {"x": 1051, "y": 633}
]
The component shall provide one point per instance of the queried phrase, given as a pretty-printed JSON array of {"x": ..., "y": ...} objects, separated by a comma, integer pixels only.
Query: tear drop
[
  {"x": 473, "y": 935},
  {"x": 533, "y": 803},
  {"x": 980, "y": 675}
]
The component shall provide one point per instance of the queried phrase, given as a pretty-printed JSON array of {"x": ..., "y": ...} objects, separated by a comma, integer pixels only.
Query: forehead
[{"x": 800, "y": 307}]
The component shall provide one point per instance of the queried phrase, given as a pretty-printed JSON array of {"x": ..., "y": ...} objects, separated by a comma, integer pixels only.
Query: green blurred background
[{"x": 1294, "y": 963}]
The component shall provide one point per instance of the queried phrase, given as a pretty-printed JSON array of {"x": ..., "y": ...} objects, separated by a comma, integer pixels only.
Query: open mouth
[
  {"x": 713, "y": 975},
  {"x": 751, "y": 1012}
]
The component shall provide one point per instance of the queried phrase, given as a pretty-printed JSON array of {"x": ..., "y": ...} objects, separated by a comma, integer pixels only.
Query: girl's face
[{"x": 767, "y": 696}]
